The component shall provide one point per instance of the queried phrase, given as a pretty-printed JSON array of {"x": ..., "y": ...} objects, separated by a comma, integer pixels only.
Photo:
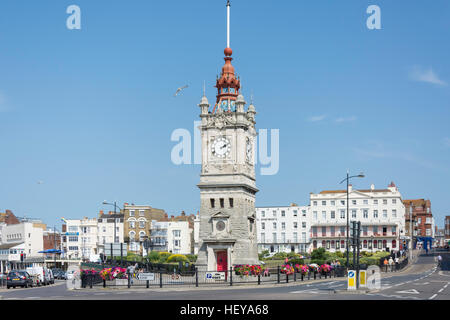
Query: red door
[{"x": 222, "y": 263}]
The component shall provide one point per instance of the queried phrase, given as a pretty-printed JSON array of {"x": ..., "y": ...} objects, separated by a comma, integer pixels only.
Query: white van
[
  {"x": 44, "y": 274},
  {"x": 40, "y": 273}
]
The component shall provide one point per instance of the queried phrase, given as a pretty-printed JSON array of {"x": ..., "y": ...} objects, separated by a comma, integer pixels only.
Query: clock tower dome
[{"x": 227, "y": 234}]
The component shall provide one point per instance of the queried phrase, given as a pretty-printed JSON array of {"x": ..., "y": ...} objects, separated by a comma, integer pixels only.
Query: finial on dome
[{"x": 228, "y": 52}]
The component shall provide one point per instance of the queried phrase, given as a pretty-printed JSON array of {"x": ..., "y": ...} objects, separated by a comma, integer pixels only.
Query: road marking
[
  {"x": 433, "y": 296},
  {"x": 32, "y": 297},
  {"x": 412, "y": 291},
  {"x": 441, "y": 290}
]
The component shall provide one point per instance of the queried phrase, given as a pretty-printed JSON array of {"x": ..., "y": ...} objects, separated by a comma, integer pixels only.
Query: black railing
[
  {"x": 394, "y": 267},
  {"x": 161, "y": 278}
]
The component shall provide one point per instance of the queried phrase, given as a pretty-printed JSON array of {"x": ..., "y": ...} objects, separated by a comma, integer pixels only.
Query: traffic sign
[
  {"x": 215, "y": 275},
  {"x": 362, "y": 278},
  {"x": 146, "y": 276},
  {"x": 351, "y": 280}
]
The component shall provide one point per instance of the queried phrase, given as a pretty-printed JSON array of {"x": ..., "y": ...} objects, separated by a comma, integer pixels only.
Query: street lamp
[
  {"x": 115, "y": 206},
  {"x": 361, "y": 175},
  {"x": 411, "y": 231}
]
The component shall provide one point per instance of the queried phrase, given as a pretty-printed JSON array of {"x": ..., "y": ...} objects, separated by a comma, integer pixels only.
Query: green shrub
[
  {"x": 192, "y": 257},
  {"x": 153, "y": 256},
  {"x": 293, "y": 255},
  {"x": 263, "y": 255},
  {"x": 163, "y": 256},
  {"x": 177, "y": 258},
  {"x": 319, "y": 254},
  {"x": 279, "y": 256},
  {"x": 295, "y": 261}
]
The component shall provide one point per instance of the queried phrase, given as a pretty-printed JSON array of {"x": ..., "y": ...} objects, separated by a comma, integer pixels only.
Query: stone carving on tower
[{"x": 227, "y": 234}]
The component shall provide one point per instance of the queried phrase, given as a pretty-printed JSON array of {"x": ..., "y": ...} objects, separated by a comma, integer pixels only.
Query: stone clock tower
[{"x": 227, "y": 234}]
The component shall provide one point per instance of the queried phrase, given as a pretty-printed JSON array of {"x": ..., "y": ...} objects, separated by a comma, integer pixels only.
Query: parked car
[
  {"x": 51, "y": 277},
  {"x": 18, "y": 279},
  {"x": 70, "y": 274},
  {"x": 62, "y": 275}
]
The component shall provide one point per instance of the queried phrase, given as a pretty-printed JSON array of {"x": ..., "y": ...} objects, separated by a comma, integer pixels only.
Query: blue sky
[{"x": 90, "y": 112}]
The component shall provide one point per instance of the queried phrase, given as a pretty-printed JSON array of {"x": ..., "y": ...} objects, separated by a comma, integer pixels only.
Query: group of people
[{"x": 392, "y": 261}]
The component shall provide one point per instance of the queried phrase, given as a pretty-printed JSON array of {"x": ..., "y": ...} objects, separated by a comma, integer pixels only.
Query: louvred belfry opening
[{"x": 227, "y": 85}]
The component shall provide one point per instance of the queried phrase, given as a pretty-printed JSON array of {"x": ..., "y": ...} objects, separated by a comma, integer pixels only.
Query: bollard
[
  {"x": 129, "y": 279},
  {"x": 315, "y": 274},
  {"x": 309, "y": 275},
  {"x": 160, "y": 279},
  {"x": 302, "y": 275},
  {"x": 231, "y": 276},
  {"x": 278, "y": 274},
  {"x": 196, "y": 277},
  {"x": 295, "y": 276},
  {"x": 90, "y": 282},
  {"x": 148, "y": 284},
  {"x": 104, "y": 283},
  {"x": 259, "y": 279},
  {"x": 287, "y": 277}
]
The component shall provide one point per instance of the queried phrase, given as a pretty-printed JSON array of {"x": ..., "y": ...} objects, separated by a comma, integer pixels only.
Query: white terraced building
[
  {"x": 283, "y": 229},
  {"x": 381, "y": 212}
]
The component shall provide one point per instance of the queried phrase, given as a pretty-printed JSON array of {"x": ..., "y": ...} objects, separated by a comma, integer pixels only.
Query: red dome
[{"x": 228, "y": 52}]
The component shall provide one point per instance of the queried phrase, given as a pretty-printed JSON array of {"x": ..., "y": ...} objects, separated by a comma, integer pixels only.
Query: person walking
[
  {"x": 397, "y": 260},
  {"x": 439, "y": 260},
  {"x": 391, "y": 263},
  {"x": 385, "y": 262}
]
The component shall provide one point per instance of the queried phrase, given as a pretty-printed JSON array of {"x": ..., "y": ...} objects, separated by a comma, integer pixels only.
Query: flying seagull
[{"x": 179, "y": 90}]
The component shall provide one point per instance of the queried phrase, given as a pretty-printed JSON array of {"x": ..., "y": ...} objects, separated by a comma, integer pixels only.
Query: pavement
[{"x": 420, "y": 281}]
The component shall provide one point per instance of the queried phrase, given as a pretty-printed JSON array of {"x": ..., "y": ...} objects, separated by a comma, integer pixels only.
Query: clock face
[
  {"x": 220, "y": 226},
  {"x": 221, "y": 147},
  {"x": 249, "y": 150}
]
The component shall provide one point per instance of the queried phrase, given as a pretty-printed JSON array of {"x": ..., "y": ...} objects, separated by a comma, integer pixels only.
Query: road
[{"x": 421, "y": 281}]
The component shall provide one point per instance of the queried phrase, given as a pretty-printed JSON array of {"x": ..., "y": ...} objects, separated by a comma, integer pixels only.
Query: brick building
[
  {"x": 137, "y": 224},
  {"x": 447, "y": 228},
  {"x": 422, "y": 216},
  {"x": 52, "y": 240}
]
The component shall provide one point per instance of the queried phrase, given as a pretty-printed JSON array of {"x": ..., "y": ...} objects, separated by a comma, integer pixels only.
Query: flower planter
[{"x": 116, "y": 282}]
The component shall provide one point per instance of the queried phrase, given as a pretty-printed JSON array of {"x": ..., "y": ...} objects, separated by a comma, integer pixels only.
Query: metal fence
[{"x": 196, "y": 278}]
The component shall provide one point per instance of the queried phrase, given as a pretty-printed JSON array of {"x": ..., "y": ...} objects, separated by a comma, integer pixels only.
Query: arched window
[
  {"x": 324, "y": 243},
  {"x": 375, "y": 244},
  {"x": 141, "y": 236},
  {"x": 332, "y": 244},
  {"x": 384, "y": 243},
  {"x": 394, "y": 244},
  {"x": 315, "y": 244},
  {"x": 132, "y": 234},
  {"x": 365, "y": 244}
]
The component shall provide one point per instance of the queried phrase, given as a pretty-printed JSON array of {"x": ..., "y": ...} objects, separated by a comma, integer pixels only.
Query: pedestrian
[
  {"x": 385, "y": 262},
  {"x": 397, "y": 260},
  {"x": 391, "y": 263},
  {"x": 439, "y": 260}
]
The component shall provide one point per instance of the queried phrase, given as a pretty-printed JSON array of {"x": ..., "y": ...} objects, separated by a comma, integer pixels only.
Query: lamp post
[
  {"x": 115, "y": 206},
  {"x": 361, "y": 175},
  {"x": 411, "y": 231}
]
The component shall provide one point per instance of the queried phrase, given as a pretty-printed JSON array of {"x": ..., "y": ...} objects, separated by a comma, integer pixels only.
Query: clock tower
[{"x": 227, "y": 234}]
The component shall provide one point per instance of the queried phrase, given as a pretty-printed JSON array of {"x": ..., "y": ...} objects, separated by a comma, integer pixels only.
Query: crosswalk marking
[{"x": 412, "y": 291}]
